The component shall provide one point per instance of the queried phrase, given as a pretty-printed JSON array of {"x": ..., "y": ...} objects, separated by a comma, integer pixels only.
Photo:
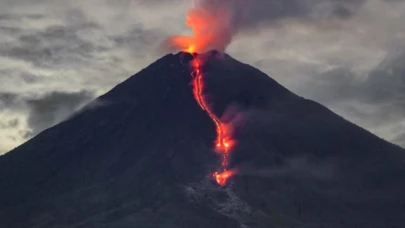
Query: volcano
[{"x": 143, "y": 157}]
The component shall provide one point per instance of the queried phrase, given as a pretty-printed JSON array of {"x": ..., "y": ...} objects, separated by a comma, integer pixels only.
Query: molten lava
[
  {"x": 223, "y": 142},
  {"x": 213, "y": 28},
  {"x": 222, "y": 177}
]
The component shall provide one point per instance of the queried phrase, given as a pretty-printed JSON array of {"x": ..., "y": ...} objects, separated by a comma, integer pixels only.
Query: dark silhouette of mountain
[{"x": 142, "y": 157}]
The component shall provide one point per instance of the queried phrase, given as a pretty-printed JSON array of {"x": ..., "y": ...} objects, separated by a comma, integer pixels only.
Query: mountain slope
[{"x": 142, "y": 157}]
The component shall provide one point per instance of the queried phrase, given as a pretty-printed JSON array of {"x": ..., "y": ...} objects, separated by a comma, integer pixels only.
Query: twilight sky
[{"x": 56, "y": 55}]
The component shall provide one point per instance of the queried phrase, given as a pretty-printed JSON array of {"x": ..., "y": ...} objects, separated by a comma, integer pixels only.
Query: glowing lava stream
[{"x": 223, "y": 143}]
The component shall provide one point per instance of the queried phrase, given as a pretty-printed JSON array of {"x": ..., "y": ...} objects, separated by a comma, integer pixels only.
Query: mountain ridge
[{"x": 144, "y": 158}]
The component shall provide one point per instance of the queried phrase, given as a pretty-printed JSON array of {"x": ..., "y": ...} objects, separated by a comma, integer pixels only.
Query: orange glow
[
  {"x": 223, "y": 177},
  {"x": 223, "y": 142},
  {"x": 191, "y": 49},
  {"x": 211, "y": 24}
]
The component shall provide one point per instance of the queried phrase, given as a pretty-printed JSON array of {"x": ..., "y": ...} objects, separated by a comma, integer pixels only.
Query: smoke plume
[
  {"x": 213, "y": 26},
  {"x": 215, "y": 23}
]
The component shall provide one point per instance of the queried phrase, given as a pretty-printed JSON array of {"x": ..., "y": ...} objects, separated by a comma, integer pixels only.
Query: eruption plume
[{"x": 213, "y": 26}]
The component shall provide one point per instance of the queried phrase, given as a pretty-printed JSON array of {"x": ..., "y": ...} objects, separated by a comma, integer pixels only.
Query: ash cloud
[
  {"x": 211, "y": 22},
  {"x": 215, "y": 22}
]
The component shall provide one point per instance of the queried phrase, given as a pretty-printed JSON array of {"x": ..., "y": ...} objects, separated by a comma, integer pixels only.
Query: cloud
[
  {"x": 7, "y": 100},
  {"x": 400, "y": 140},
  {"x": 257, "y": 12},
  {"x": 265, "y": 12},
  {"x": 384, "y": 85},
  {"x": 12, "y": 121},
  {"x": 375, "y": 101},
  {"x": 22, "y": 117},
  {"x": 9, "y": 124},
  {"x": 49, "y": 49},
  {"x": 52, "y": 108},
  {"x": 58, "y": 46}
]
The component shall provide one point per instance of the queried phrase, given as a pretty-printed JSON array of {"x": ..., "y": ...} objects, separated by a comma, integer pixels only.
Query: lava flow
[
  {"x": 212, "y": 24},
  {"x": 224, "y": 142}
]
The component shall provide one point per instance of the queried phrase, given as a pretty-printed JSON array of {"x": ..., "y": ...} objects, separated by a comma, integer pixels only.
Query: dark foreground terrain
[{"x": 140, "y": 156}]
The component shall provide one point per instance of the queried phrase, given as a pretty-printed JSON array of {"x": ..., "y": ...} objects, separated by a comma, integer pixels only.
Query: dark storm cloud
[
  {"x": 387, "y": 82},
  {"x": 262, "y": 12},
  {"x": 394, "y": 1},
  {"x": 253, "y": 13},
  {"x": 375, "y": 101},
  {"x": 140, "y": 41},
  {"x": 8, "y": 100},
  {"x": 43, "y": 111},
  {"x": 13, "y": 17},
  {"x": 335, "y": 84},
  {"x": 55, "y": 45},
  {"x": 48, "y": 53},
  {"x": 77, "y": 42},
  {"x": 9, "y": 30},
  {"x": 138, "y": 36},
  {"x": 54, "y": 107},
  {"x": 383, "y": 85}
]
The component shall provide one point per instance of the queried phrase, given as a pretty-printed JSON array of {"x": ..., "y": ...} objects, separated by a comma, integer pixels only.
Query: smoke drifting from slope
[{"x": 296, "y": 167}]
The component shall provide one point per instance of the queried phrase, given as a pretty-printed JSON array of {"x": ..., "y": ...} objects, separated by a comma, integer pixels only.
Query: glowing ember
[{"x": 223, "y": 177}]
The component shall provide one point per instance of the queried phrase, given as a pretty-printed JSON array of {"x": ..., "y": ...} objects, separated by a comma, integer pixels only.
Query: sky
[{"x": 57, "y": 55}]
